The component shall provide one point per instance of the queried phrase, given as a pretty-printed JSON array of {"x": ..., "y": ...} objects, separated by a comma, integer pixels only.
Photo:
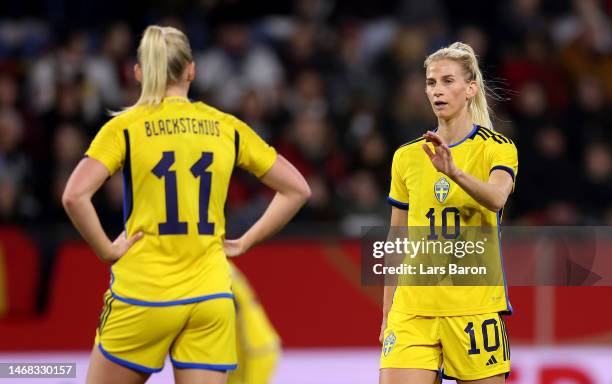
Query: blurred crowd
[{"x": 334, "y": 87}]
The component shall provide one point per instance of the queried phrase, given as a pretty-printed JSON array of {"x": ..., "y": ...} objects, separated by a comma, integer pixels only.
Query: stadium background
[{"x": 335, "y": 87}]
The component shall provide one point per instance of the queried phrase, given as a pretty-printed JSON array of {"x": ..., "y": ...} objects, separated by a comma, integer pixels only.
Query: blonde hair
[
  {"x": 163, "y": 55},
  {"x": 464, "y": 55}
]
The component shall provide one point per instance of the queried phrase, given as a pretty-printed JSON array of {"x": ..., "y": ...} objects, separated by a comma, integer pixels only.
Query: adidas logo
[{"x": 492, "y": 360}]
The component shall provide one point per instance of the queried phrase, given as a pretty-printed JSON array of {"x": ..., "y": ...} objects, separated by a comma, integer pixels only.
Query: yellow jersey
[
  {"x": 256, "y": 335},
  {"x": 177, "y": 160},
  {"x": 434, "y": 201}
]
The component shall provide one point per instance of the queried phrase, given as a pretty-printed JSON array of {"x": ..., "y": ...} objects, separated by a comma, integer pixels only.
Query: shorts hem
[
  {"x": 212, "y": 367},
  {"x": 128, "y": 364}
]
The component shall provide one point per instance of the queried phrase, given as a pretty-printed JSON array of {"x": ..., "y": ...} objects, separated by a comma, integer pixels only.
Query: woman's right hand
[
  {"x": 234, "y": 247},
  {"x": 383, "y": 327}
]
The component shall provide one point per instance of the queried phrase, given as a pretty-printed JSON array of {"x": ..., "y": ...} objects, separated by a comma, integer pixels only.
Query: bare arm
[
  {"x": 492, "y": 194},
  {"x": 399, "y": 218},
  {"x": 292, "y": 191},
  {"x": 86, "y": 179}
]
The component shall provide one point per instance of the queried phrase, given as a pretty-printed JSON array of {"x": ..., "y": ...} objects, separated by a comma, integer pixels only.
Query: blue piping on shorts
[
  {"x": 212, "y": 367},
  {"x": 128, "y": 364}
]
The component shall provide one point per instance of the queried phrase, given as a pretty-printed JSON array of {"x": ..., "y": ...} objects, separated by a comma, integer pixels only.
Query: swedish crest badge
[
  {"x": 441, "y": 189},
  {"x": 389, "y": 343}
]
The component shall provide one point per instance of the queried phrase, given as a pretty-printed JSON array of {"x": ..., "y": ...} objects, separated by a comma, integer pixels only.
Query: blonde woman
[
  {"x": 170, "y": 290},
  {"x": 457, "y": 176}
]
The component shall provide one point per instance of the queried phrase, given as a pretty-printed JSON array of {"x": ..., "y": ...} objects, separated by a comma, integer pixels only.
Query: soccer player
[
  {"x": 258, "y": 343},
  {"x": 170, "y": 289},
  {"x": 458, "y": 175}
]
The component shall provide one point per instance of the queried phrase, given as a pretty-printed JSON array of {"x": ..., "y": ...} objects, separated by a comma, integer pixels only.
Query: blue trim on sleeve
[
  {"x": 236, "y": 147},
  {"x": 397, "y": 204},
  {"x": 128, "y": 198},
  {"x": 221, "y": 295},
  {"x": 128, "y": 364},
  {"x": 501, "y": 259},
  {"x": 212, "y": 367},
  {"x": 503, "y": 168},
  {"x": 465, "y": 138}
]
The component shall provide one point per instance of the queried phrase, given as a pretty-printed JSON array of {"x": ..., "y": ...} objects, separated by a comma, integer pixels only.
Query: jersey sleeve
[
  {"x": 254, "y": 154},
  {"x": 503, "y": 156},
  {"x": 108, "y": 147},
  {"x": 398, "y": 193}
]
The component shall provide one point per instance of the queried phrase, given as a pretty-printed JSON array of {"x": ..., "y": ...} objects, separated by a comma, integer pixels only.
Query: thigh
[
  {"x": 411, "y": 342},
  {"x": 208, "y": 340},
  {"x": 408, "y": 376},
  {"x": 104, "y": 371},
  {"x": 498, "y": 379},
  {"x": 138, "y": 337},
  {"x": 199, "y": 376},
  {"x": 475, "y": 347}
]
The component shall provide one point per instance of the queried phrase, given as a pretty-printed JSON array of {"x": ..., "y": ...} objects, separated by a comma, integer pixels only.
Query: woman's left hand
[
  {"x": 234, "y": 247},
  {"x": 441, "y": 158}
]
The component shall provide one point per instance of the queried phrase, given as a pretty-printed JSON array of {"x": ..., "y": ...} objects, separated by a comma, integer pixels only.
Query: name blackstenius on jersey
[{"x": 182, "y": 125}]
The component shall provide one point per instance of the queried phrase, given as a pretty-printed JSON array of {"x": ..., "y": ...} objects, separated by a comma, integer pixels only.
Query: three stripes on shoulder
[{"x": 486, "y": 134}]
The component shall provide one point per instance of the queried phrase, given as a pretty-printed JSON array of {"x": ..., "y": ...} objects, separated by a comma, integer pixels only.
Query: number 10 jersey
[{"x": 442, "y": 211}]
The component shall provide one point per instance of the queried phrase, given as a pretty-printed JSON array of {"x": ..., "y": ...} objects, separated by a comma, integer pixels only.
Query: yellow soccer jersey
[
  {"x": 256, "y": 333},
  {"x": 177, "y": 160},
  {"x": 433, "y": 200}
]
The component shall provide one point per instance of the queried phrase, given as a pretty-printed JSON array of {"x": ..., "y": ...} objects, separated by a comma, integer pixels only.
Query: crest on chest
[{"x": 441, "y": 189}]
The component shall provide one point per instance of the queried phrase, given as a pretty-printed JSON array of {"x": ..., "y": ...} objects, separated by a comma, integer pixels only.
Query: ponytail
[
  {"x": 153, "y": 59},
  {"x": 464, "y": 54},
  {"x": 163, "y": 55}
]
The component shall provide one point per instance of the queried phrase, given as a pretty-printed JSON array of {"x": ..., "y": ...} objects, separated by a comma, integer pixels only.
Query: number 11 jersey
[{"x": 177, "y": 159}]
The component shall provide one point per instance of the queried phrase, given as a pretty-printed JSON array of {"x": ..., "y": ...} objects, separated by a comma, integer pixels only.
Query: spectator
[
  {"x": 589, "y": 46},
  {"x": 16, "y": 204},
  {"x": 236, "y": 65},
  {"x": 66, "y": 65},
  {"x": 535, "y": 63},
  {"x": 597, "y": 182},
  {"x": 311, "y": 147},
  {"x": 409, "y": 114},
  {"x": 364, "y": 204},
  {"x": 112, "y": 68}
]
